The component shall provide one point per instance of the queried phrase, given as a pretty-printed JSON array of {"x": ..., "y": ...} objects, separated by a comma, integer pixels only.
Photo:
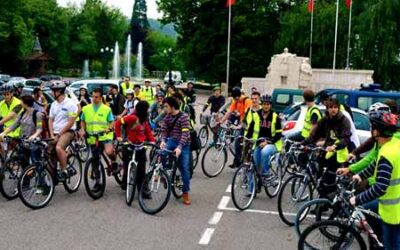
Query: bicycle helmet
[
  {"x": 385, "y": 122},
  {"x": 7, "y": 88},
  {"x": 160, "y": 94},
  {"x": 83, "y": 87},
  {"x": 58, "y": 85},
  {"x": 129, "y": 92},
  {"x": 236, "y": 92},
  {"x": 266, "y": 98},
  {"x": 376, "y": 107}
]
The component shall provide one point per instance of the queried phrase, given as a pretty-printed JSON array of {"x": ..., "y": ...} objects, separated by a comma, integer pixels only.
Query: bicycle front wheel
[
  {"x": 243, "y": 188},
  {"x": 214, "y": 160},
  {"x": 36, "y": 187},
  {"x": 274, "y": 185},
  {"x": 155, "y": 192},
  {"x": 294, "y": 193},
  {"x": 346, "y": 237},
  {"x": 72, "y": 183},
  {"x": 203, "y": 136},
  {"x": 94, "y": 179},
  {"x": 84, "y": 150},
  {"x": 9, "y": 175},
  {"x": 131, "y": 184}
]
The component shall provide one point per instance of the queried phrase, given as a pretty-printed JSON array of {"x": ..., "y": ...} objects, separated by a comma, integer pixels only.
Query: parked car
[
  {"x": 48, "y": 78},
  {"x": 4, "y": 78},
  {"x": 282, "y": 98},
  {"x": 92, "y": 84},
  {"x": 294, "y": 121},
  {"x": 176, "y": 77}
]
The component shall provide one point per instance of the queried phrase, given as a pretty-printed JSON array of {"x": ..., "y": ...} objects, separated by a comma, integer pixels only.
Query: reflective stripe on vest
[
  {"x": 5, "y": 110},
  {"x": 124, "y": 88},
  {"x": 97, "y": 122},
  {"x": 389, "y": 203},
  {"x": 306, "y": 131}
]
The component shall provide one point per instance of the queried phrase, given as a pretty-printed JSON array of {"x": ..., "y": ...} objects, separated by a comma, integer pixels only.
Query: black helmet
[
  {"x": 266, "y": 98},
  {"x": 385, "y": 122},
  {"x": 7, "y": 88},
  {"x": 160, "y": 94},
  {"x": 236, "y": 92}
]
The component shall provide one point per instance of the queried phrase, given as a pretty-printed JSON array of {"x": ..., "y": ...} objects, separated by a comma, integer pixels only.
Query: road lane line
[
  {"x": 256, "y": 211},
  {"x": 229, "y": 189},
  {"x": 206, "y": 237},
  {"x": 224, "y": 202},
  {"x": 215, "y": 218}
]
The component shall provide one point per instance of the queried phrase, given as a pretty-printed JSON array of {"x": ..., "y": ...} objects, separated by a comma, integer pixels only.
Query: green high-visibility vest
[
  {"x": 124, "y": 88},
  {"x": 5, "y": 110},
  {"x": 307, "y": 121},
  {"x": 389, "y": 203},
  {"x": 147, "y": 94},
  {"x": 97, "y": 122}
]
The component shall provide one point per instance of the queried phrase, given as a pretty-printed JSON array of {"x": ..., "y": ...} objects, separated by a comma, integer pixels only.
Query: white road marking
[
  {"x": 229, "y": 189},
  {"x": 224, "y": 202},
  {"x": 216, "y": 218},
  {"x": 206, "y": 237},
  {"x": 256, "y": 211}
]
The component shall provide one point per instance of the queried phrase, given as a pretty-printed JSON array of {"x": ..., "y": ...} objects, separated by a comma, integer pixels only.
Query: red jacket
[{"x": 136, "y": 131}]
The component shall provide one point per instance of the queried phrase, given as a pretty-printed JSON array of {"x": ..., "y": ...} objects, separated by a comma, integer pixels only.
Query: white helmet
[
  {"x": 377, "y": 107},
  {"x": 129, "y": 92}
]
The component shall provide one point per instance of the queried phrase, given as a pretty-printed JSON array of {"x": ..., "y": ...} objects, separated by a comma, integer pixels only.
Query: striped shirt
[
  {"x": 384, "y": 172},
  {"x": 179, "y": 132}
]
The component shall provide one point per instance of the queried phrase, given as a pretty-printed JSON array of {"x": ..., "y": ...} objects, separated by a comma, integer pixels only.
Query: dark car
[{"x": 48, "y": 78}]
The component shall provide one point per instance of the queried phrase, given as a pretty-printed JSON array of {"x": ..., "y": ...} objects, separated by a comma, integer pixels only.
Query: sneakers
[
  {"x": 267, "y": 178},
  {"x": 233, "y": 166},
  {"x": 186, "y": 199},
  {"x": 71, "y": 171},
  {"x": 61, "y": 175},
  {"x": 43, "y": 190}
]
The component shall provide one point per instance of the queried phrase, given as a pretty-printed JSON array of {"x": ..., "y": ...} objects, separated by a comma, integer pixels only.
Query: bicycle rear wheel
[
  {"x": 119, "y": 172},
  {"x": 294, "y": 193},
  {"x": 203, "y": 136},
  {"x": 214, "y": 160},
  {"x": 74, "y": 179},
  {"x": 346, "y": 237},
  {"x": 274, "y": 185},
  {"x": 36, "y": 187},
  {"x": 9, "y": 175},
  {"x": 243, "y": 187},
  {"x": 94, "y": 179},
  {"x": 131, "y": 184},
  {"x": 84, "y": 150},
  {"x": 155, "y": 192}
]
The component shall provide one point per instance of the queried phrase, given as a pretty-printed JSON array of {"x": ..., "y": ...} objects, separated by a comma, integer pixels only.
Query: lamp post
[
  {"x": 168, "y": 53},
  {"x": 105, "y": 52}
]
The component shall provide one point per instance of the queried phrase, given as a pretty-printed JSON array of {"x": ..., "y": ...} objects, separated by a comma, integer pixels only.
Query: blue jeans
[
  {"x": 391, "y": 236},
  {"x": 262, "y": 157},
  {"x": 183, "y": 161}
]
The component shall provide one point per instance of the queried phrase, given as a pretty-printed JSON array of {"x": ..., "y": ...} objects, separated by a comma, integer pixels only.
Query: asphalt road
[{"x": 75, "y": 221}]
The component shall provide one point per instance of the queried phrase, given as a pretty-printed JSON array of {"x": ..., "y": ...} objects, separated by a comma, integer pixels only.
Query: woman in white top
[{"x": 130, "y": 104}]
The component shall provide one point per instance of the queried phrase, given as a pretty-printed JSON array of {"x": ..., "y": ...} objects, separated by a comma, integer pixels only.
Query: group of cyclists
[{"x": 132, "y": 113}]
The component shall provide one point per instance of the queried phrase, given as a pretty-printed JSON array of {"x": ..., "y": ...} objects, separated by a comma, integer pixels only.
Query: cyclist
[
  {"x": 63, "y": 112},
  {"x": 125, "y": 85},
  {"x": 216, "y": 101},
  {"x": 10, "y": 107},
  {"x": 19, "y": 86},
  {"x": 129, "y": 105},
  {"x": 138, "y": 131},
  {"x": 334, "y": 130},
  {"x": 97, "y": 117},
  {"x": 156, "y": 109},
  {"x": 190, "y": 93},
  {"x": 170, "y": 90},
  {"x": 116, "y": 100},
  {"x": 148, "y": 92},
  {"x": 269, "y": 126},
  {"x": 175, "y": 136},
  {"x": 236, "y": 114},
  {"x": 383, "y": 196},
  {"x": 40, "y": 102},
  {"x": 313, "y": 115}
]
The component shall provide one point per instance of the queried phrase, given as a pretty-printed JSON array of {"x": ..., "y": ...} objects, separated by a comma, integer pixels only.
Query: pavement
[{"x": 75, "y": 221}]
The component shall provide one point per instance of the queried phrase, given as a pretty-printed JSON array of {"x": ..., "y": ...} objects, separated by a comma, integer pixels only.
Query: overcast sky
[{"x": 125, "y": 6}]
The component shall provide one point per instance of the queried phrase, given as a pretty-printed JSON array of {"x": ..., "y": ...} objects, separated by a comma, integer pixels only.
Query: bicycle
[
  {"x": 204, "y": 130},
  {"x": 217, "y": 153},
  {"x": 247, "y": 178},
  {"x": 95, "y": 169},
  {"x": 80, "y": 147},
  {"x": 158, "y": 183},
  {"x": 38, "y": 180}
]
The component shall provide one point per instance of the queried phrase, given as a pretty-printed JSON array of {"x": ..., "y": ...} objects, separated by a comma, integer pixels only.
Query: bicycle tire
[
  {"x": 300, "y": 223},
  {"x": 9, "y": 175},
  {"x": 131, "y": 184},
  {"x": 156, "y": 181},
  {"x": 76, "y": 179},
  {"x": 208, "y": 154},
  {"x": 203, "y": 136},
  {"x": 347, "y": 234},
  {"x": 177, "y": 182},
  {"x": 120, "y": 173},
  {"x": 291, "y": 184},
  {"x": 195, "y": 158},
  {"x": 33, "y": 173},
  {"x": 99, "y": 175},
  {"x": 84, "y": 151},
  {"x": 274, "y": 186},
  {"x": 242, "y": 182}
]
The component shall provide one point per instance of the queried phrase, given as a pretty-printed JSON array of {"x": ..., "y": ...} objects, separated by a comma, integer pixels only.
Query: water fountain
[
  {"x": 139, "y": 63},
  {"x": 85, "y": 71},
  {"x": 128, "y": 49},
  {"x": 116, "y": 62}
]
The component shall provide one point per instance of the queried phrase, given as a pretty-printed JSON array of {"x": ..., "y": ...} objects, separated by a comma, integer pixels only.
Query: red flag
[
  {"x": 230, "y": 2},
  {"x": 348, "y": 3},
  {"x": 310, "y": 6}
]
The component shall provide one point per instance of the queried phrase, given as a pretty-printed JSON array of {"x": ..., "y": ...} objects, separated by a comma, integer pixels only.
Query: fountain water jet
[
  {"x": 116, "y": 62},
  {"x": 128, "y": 49},
  {"x": 139, "y": 63}
]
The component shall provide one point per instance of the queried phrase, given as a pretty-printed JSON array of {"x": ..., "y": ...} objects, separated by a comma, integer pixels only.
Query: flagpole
[
  {"x": 336, "y": 31},
  {"x": 348, "y": 38},
  {"x": 229, "y": 49},
  {"x": 311, "y": 31}
]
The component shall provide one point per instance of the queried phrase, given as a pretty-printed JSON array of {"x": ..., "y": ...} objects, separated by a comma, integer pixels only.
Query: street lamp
[
  {"x": 105, "y": 52},
  {"x": 168, "y": 53}
]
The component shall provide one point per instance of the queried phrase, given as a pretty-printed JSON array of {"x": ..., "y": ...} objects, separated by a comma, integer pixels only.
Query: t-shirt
[
  {"x": 130, "y": 106},
  {"x": 60, "y": 112},
  {"x": 25, "y": 121},
  {"x": 240, "y": 106}
]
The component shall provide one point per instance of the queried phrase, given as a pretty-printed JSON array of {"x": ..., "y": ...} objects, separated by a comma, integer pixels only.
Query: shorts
[{"x": 65, "y": 139}]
